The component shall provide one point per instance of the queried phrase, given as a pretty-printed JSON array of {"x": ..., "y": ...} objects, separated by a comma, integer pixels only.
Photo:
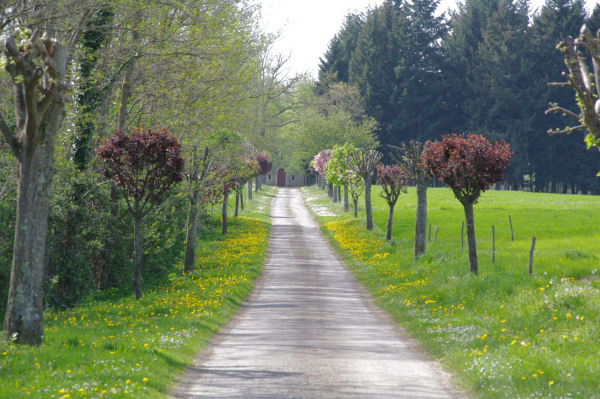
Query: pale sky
[{"x": 305, "y": 27}]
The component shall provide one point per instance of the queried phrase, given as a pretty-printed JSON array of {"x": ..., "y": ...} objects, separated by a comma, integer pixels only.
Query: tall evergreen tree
[
  {"x": 461, "y": 49},
  {"x": 397, "y": 66},
  {"x": 335, "y": 62},
  {"x": 502, "y": 77},
  {"x": 564, "y": 160},
  {"x": 373, "y": 65}
]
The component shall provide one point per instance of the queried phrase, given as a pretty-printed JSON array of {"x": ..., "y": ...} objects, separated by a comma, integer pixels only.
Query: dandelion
[
  {"x": 550, "y": 383},
  {"x": 145, "y": 379}
]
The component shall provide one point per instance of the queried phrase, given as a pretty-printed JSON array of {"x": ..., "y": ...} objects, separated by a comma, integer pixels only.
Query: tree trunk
[
  {"x": 250, "y": 190},
  {"x": 190, "y": 239},
  {"x": 339, "y": 192},
  {"x": 368, "y": 209},
  {"x": 355, "y": 208},
  {"x": 421, "y": 220},
  {"x": 390, "y": 221},
  {"x": 237, "y": 203},
  {"x": 224, "y": 214},
  {"x": 257, "y": 184},
  {"x": 242, "y": 198},
  {"x": 24, "y": 311},
  {"x": 345, "y": 198},
  {"x": 335, "y": 194},
  {"x": 38, "y": 119},
  {"x": 137, "y": 243},
  {"x": 470, "y": 221}
]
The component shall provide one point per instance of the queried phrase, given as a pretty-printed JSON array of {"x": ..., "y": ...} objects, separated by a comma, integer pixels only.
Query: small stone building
[{"x": 278, "y": 177}]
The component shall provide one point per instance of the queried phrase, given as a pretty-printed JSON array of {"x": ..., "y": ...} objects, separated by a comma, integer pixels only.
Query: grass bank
[
  {"x": 502, "y": 333},
  {"x": 121, "y": 347}
]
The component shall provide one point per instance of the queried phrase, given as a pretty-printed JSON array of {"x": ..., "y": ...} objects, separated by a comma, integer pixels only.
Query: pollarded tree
[
  {"x": 409, "y": 156},
  {"x": 265, "y": 164},
  {"x": 469, "y": 165},
  {"x": 363, "y": 163},
  {"x": 393, "y": 180},
  {"x": 144, "y": 164},
  {"x": 355, "y": 186},
  {"x": 337, "y": 170},
  {"x": 319, "y": 163},
  {"x": 585, "y": 84},
  {"x": 37, "y": 66}
]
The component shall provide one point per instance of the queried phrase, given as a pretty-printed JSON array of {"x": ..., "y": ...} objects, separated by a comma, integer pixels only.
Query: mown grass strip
[
  {"x": 502, "y": 333},
  {"x": 123, "y": 348}
]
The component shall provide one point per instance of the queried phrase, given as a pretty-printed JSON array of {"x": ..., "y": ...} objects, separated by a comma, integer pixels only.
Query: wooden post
[
  {"x": 436, "y": 231},
  {"x": 429, "y": 232},
  {"x": 462, "y": 236},
  {"x": 512, "y": 235},
  {"x": 531, "y": 256},
  {"x": 493, "y": 244}
]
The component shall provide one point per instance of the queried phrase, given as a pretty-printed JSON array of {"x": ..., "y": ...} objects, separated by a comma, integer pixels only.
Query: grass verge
[
  {"x": 123, "y": 348},
  {"x": 502, "y": 333}
]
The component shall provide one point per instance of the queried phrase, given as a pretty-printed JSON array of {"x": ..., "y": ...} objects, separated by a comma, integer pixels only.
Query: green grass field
[
  {"x": 504, "y": 334},
  {"x": 121, "y": 347}
]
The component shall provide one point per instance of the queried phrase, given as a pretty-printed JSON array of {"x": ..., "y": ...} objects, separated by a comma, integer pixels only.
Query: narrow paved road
[{"x": 309, "y": 330}]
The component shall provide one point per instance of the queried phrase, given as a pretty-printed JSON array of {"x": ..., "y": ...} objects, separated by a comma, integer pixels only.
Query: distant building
[{"x": 278, "y": 177}]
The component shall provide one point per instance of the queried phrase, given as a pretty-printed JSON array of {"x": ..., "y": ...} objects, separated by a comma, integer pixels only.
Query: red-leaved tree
[
  {"x": 265, "y": 164},
  {"x": 144, "y": 164},
  {"x": 468, "y": 164},
  {"x": 393, "y": 180}
]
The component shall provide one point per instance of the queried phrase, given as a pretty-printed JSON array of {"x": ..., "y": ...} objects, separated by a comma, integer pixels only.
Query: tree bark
[
  {"x": 368, "y": 209},
  {"x": 335, "y": 194},
  {"x": 470, "y": 221},
  {"x": 330, "y": 190},
  {"x": 137, "y": 243},
  {"x": 242, "y": 198},
  {"x": 224, "y": 214},
  {"x": 390, "y": 221},
  {"x": 421, "y": 220},
  {"x": 345, "y": 198},
  {"x": 38, "y": 120},
  {"x": 24, "y": 310},
  {"x": 250, "y": 190},
  {"x": 192, "y": 222},
  {"x": 355, "y": 208},
  {"x": 237, "y": 203},
  {"x": 190, "y": 239}
]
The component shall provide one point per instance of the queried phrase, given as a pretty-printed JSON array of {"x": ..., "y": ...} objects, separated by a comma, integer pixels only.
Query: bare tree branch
[{"x": 556, "y": 109}]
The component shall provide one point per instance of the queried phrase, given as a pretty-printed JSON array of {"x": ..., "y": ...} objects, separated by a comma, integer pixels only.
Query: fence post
[
  {"x": 493, "y": 244},
  {"x": 436, "y": 232},
  {"x": 531, "y": 256},
  {"x": 512, "y": 235}
]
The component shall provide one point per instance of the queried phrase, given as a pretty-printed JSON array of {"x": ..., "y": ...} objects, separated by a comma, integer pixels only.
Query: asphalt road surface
[{"x": 309, "y": 330}]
